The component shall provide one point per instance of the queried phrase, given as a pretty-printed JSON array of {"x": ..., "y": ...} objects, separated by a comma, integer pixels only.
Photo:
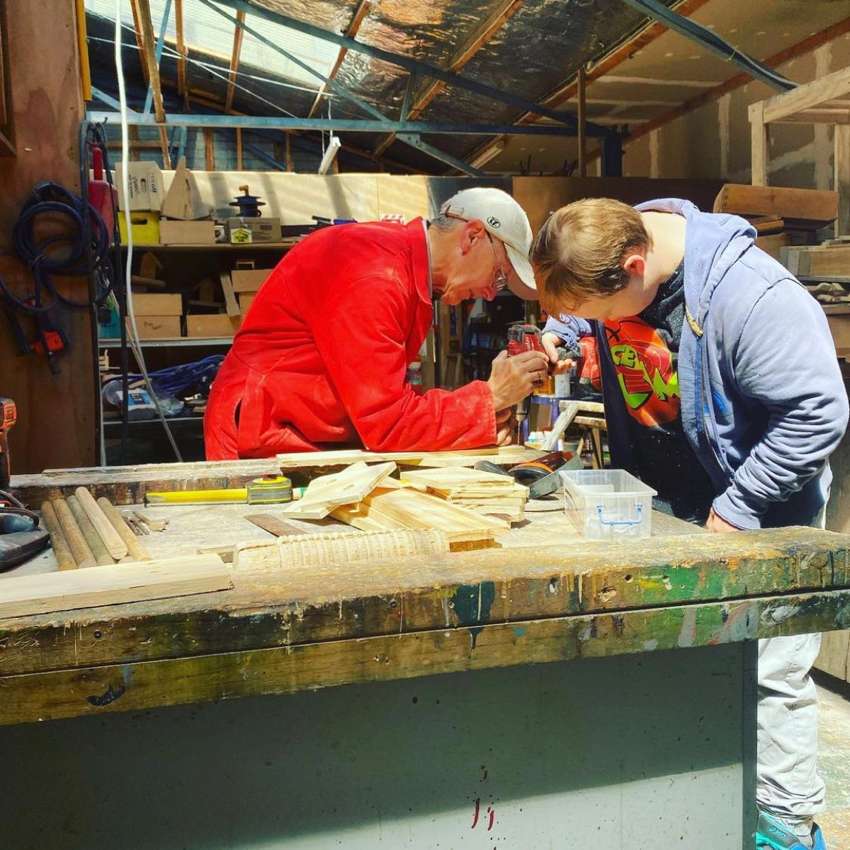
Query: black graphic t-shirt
[{"x": 645, "y": 351}]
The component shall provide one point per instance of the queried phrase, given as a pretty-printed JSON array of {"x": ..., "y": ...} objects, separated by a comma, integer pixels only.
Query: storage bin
[
  {"x": 145, "y": 226},
  {"x": 607, "y": 503}
]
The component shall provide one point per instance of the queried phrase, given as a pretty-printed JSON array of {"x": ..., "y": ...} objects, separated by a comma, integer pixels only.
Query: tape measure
[{"x": 269, "y": 489}]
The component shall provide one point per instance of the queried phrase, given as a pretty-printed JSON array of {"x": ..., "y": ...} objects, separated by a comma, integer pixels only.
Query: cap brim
[{"x": 525, "y": 287}]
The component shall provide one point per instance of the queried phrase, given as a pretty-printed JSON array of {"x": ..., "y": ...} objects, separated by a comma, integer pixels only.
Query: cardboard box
[
  {"x": 246, "y": 230},
  {"x": 183, "y": 200},
  {"x": 157, "y": 304},
  {"x": 186, "y": 232},
  {"x": 245, "y": 301},
  {"x": 146, "y": 186},
  {"x": 158, "y": 327},
  {"x": 248, "y": 280},
  {"x": 211, "y": 325}
]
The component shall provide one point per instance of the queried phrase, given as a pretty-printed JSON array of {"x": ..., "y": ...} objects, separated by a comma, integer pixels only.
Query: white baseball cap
[{"x": 504, "y": 219}]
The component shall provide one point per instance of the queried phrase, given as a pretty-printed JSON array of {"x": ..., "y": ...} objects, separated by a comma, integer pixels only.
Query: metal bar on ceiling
[
  {"x": 413, "y": 65},
  {"x": 103, "y": 97},
  {"x": 711, "y": 41},
  {"x": 416, "y": 142},
  {"x": 351, "y": 31},
  {"x": 160, "y": 43},
  {"x": 351, "y": 125}
]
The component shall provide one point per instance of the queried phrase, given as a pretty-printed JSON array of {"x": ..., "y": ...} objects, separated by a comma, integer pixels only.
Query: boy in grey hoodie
[{"x": 723, "y": 392}]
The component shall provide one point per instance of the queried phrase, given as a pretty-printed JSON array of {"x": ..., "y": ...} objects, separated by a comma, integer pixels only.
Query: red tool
[
  {"x": 525, "y": 337},
  {"x": 8, "y": 417}
]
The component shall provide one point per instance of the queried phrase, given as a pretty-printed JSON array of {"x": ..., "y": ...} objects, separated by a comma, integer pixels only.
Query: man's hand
[
  {"x": 513, "y": 378},
  {"x": 550, "y": 346},
  {"x": 716, "y": 523},
  {"x": 505, "y": 425}
]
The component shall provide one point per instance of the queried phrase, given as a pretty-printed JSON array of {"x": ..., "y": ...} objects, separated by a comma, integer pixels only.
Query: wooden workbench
[{"x": 639, "y": 730}]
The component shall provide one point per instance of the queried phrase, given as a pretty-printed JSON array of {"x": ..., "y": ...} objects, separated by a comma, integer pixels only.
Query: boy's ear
[{"x": 634, "y": 264}]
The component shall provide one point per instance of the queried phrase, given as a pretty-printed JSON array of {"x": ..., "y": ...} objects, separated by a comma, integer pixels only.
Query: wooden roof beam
[
  {"x": 357, "y": 18},
  {"x": 182, "y": 61},
  {"x": 238, "y": 34},
  {"x": 148, "y": 42},
  {"x": 482, "y": 35},
  {"x": 137, "y": 28}
]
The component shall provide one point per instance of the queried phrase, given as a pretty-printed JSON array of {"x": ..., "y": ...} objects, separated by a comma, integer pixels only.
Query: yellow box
[{"x": 144, "y": 224}]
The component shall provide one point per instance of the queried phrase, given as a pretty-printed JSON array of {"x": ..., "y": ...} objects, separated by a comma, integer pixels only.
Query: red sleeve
[{"x": 361, "y": 333}]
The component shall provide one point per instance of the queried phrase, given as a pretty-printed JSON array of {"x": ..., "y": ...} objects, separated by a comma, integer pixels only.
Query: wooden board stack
[{"x": 484, "y": 492}]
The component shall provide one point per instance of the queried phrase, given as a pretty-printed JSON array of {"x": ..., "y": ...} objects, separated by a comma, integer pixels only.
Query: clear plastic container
[{"x": 607, "y": 503}]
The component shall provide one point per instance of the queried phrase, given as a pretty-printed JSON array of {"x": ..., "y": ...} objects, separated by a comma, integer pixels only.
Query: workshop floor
[{"x": 835, "y": 760}]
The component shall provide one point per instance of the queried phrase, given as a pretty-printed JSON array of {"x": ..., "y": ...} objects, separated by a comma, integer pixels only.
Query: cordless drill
[
  {"x": 8, "y": 417},
  {"x": 525, "y": 337}
]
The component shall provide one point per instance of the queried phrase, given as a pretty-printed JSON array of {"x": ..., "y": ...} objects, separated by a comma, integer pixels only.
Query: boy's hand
[
  {"x": 716, "y": 523},
  {"x": 550, "y": 346}
]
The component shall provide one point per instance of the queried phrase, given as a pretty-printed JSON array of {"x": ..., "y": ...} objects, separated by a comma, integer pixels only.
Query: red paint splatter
[
  {"x": 475, "y": 816},
  {"x": 492, "y": 812}
]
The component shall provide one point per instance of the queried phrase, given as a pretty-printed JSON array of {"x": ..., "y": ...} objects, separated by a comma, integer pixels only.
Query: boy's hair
[{"x": 578, "y": 250}]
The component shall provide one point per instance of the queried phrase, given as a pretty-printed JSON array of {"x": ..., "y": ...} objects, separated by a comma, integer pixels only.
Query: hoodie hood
[{"x": 712, "y": 244}]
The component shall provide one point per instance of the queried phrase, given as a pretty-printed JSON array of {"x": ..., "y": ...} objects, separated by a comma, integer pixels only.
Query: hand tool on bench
[
  {"x": 541, "y": 476},
  {"x": 268, "y": 490}
]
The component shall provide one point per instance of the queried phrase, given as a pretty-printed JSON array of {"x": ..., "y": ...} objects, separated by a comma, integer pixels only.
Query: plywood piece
[
  {"x": 112, "y": 585},
  {"x": 403, "y": 195},
  {"x": 468, "y": 457},
  {"x": 462, "y": 481},
  {"x": 794, "y": 205},
  {"x": 350, "y": 486},
  {"x": 345, "y": 547},
  {"x": 157, "y": 303},
  {"x": 396, "y": 508},
  {"x": 182, "y": 200}
]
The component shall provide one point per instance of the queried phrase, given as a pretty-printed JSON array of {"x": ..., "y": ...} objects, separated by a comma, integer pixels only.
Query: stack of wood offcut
[
  {"x": 485, "y": 492},
  {"x": 368, "y": 498}
]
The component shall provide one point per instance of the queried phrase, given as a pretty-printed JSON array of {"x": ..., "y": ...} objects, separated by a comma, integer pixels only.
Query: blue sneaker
[{"x": 772, "y": 834}]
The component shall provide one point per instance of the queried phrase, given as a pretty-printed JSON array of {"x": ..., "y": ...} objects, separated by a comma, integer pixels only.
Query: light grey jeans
[{"x": 788, "y": 782}]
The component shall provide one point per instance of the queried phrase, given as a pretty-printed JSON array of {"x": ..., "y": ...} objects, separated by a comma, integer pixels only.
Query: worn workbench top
[{"x": 543, "y": 595}]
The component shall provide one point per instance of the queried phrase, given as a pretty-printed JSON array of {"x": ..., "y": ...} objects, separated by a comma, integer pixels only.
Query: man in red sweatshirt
[{"x": 322, "y": 356}]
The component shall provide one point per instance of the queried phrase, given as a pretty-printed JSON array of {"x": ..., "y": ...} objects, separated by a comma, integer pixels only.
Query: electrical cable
[
  {"x": 691, "y": 29},
  {"x": 125, "y": 185}
]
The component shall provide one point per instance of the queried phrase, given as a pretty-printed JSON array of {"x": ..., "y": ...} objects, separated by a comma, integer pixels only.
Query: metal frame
[{"x": 351, "y": 125}]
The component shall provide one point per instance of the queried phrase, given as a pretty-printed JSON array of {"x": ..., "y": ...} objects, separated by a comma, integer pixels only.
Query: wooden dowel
[
  {"x": 57, "y": 538},
  {"x": 95, "y": 543},
  {"x": 134, "y": 547},
  {"x": 116, "y": 547},
  {"x": 83, "y": 555}
]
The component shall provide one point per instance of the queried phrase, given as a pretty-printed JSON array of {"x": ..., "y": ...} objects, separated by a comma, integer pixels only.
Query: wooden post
[
  {"x": 82, "y": 38},
  {"x": 582, "y": 124},
  {"x": 842, "y": 178},
  {"x": 209, "y": 149},
  {"x": 759, "y": 151},
  {"x": 240, "y": 165},
  {"x": 290, "y": 166}
]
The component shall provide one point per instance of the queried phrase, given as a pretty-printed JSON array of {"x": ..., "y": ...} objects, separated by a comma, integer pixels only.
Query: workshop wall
[
  {"x": 714, "y": 141},
  {"x": 56, "y": 413}
]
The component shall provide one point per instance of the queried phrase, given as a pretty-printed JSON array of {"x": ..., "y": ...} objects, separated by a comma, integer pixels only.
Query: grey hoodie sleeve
[{"x": 785, "y": 359}]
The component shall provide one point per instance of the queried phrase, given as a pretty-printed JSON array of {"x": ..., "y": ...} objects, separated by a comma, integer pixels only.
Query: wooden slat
[
  {"x": 209, "y": 149},
  {"x": 758, "y": 145},
  {"x": 144, "y": 13},
  {"x": 842, "y": 179},
  {"x": 351, "y": 31},
  {"x": 813, "y": 205},
  {"x": 482, "y": 35},
  {"x": 239, "y": 161},
  {"x": 182, "y": 78},
  {"x": 808, "y": 96},
  {"x": 111, "y": 585},
  {"x": 238, "y": 33},
  {"x": 582, "y": 123},
  {"x": 464, "y": 457},
  {"x": 231, "y": 305}
]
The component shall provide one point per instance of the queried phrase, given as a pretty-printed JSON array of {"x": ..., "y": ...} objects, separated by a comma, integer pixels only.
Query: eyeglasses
[{"x": 500, "y": 278}]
